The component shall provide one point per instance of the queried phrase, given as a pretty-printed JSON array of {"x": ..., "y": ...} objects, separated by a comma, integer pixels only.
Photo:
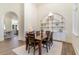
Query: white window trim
[
  {"x": 75, "y": 34},
  {"x": 75, "y": 16}
]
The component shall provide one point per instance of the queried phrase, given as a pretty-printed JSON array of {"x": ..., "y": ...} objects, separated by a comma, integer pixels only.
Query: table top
[{"x": 40, "y": 38}]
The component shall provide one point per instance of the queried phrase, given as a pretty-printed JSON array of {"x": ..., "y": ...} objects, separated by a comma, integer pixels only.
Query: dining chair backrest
[
  {"x": 48, "y": 33},
  {"x": 37, "y": 33},
  {"x": 51, "y": 35},
  {"x": 31, "y": 37}
]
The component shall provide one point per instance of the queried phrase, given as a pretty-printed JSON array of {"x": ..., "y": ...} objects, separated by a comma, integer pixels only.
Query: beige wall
[
  {"x": 63, "y": 9},
  {"x": 30, "y": 17},
  {"x": 1, "y": 30},
  {"x": 14, "y": 7},
  {"x": 75, "y": 39}
]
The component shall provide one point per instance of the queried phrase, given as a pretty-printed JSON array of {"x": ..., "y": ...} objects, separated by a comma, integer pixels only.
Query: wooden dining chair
[
  {"x": 32, "y": 42},
  {"x": 46, "y": 41},
  {"x": 26, "y": 39}
]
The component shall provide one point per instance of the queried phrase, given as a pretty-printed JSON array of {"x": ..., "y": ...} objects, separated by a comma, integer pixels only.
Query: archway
[
  {"x": 10, "y": 25},
  {"x": 54, "y": 22}
]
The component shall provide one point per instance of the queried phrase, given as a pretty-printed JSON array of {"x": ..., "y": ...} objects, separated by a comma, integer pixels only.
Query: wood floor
[
  {"x": 67, "y": 49},
  {"x": 7, "y": 45}
]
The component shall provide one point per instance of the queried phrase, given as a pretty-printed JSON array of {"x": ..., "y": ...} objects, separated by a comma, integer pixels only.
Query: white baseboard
[
  {"x": 1, "y": 39},
  {"x": 75, "y": 34},
  {"x": 75, "y": 44},
  {"x": 76, "y": 51}
]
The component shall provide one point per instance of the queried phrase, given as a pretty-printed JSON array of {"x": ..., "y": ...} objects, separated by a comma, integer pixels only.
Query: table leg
[
  {"x": 26, "y": 44},
  {"x": 40, "y": 51}
]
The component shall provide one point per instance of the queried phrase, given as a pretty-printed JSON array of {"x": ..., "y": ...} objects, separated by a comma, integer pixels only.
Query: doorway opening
[{"x": 11, "y": 25}]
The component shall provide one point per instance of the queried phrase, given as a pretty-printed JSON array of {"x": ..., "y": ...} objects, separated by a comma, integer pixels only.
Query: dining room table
[{"x": 39, "y": 38}]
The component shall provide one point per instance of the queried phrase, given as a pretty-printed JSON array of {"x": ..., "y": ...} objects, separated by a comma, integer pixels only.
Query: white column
[{"x": 1, "y": 29}]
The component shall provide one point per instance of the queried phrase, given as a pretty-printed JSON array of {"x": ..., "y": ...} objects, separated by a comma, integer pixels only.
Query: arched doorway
[{"x": 10, "y": 25}]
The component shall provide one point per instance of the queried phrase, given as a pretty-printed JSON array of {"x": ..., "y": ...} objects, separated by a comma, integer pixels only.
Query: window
[{"x": 75, "y": 19}]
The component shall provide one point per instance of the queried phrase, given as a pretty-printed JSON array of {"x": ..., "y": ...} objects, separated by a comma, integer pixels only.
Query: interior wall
[
  {"x": 21, "y": 23},
  {"x": 1, "y": 29},
  {"x": 64, "y": 9},
  {"x": 30, "y": 17},
  {"x": 7, "y": 7},
  {"x": 75, "y": 39}
]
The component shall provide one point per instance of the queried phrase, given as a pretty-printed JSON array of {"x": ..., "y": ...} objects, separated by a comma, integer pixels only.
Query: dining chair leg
[
  {"x": 34, "y": 50},
  {"x": 51, "y": 43},
  {"x": 28, "y": 49},
  {"x": 47, "y": 47},
  {"x": 26, "y": 45},
  {"x": 40, "y": 50},
  {"x": 43, "y": 45}
]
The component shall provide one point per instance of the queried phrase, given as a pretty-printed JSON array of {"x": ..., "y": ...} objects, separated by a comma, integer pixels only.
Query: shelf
[{"x": 54, "y": 22}]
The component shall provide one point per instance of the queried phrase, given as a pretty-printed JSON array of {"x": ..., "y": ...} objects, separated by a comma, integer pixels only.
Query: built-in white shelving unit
[{"x": 53, "y": 22}]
